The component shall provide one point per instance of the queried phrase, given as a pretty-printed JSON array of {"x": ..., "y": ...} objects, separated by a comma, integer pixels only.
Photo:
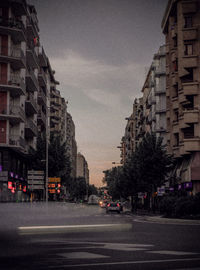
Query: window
[
  {"x": 189, "y": 76},
  {"x": 176, "y": 115},
  {"x": 176, "y": 137},
  {"x": 188, "y": 49},
  {"x": 189, "y": 132},
  {"x": 188, "y": 22},
  {"x": 176, "y": 65}
]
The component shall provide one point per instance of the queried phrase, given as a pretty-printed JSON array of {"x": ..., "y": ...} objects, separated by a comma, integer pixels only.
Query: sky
[{"x": 101, "y": 51}]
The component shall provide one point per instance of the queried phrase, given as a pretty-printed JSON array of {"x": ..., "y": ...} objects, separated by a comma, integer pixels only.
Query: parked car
[{"x": 113, "y": 206}]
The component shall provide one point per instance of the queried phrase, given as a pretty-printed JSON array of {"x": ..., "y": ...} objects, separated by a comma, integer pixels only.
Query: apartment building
[
  {"x": 19, "y": 65},
  {"x": 71, "y": 144},
  {"x": 160, "y": 92},
  {"x": 181, "y": 26},
  {"x": 82, "y": 168}
]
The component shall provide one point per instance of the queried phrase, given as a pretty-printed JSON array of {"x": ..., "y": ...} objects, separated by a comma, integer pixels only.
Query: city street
[{"x": 79, "y": 236}]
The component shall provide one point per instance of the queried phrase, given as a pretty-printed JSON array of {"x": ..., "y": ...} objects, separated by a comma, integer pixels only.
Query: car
[
  {"x": 102, "y": 204},
  {"x": 113, "y": 207}
]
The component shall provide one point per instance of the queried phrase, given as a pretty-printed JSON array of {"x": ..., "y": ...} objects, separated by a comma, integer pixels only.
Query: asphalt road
[{"x": 76, "y": 236}]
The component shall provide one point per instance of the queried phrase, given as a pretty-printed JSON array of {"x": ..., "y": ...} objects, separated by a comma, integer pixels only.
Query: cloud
[{"x": 103, "y": 83}]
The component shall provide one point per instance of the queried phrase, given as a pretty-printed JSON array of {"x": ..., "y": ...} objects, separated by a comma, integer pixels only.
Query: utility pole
[{"x": 47, "y": 146}]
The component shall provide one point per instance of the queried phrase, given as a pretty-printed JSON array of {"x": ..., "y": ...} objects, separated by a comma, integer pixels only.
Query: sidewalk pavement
[{"x": 156, "y": 218}]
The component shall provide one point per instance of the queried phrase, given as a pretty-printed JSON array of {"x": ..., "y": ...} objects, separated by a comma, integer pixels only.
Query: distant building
[
  {"x": 71, "y": 143},
  {"x": 82, "y": 168}
]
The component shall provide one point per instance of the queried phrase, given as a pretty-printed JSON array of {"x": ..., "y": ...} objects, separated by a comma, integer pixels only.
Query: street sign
[
  {"x": 35, "y": 182},
  {"x": 33, "y": 187},
  {"x": 37, "y": 177},
  {"x": 36, "y": 172},
  {"x": 54, "y": 179}
]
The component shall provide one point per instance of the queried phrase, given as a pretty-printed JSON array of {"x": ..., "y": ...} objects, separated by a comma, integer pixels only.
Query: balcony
[
  {"x": 190, "y": 33},
  {"x": 175, "y": 103},
  {"x": 17, "y": 141},
  {"x": 190, "y": 61},
  {"x": 32, "y": 58},
  {"x": 160, "y": 71},
  {"x": 32, "y": 26},
  {"x": 30, "y": 105},
  {"x": 15, "y": 85},
  {"x": 189, "y": 7},
  {"x": 190, "y": 88},
  {"x": 14, "y": 28},
  {"x": 174, "y": 30},
  {"x": 42, "y": 78},
  {"x": 174, "y": 78},
  {"x": 160, "y": 110},
  {"x": 14, "y": 56},
  {"x": 56, "y": 114},
  {"x": 192, "y": 144},
  {"x": 15, "y": 114},
  {"x": 41, "y": 118},
  {"x": 41, "y": 97},
  {"x": 30, "y": 129},
  {"x": 42, "y": 57},
  {"x": 19, "y": 7},
  {"x": 31, "y": 81},
  {"x": 173, "y": 56},
  {"x": 191, "y": 116},
  {"x": 160, "y": 89}
]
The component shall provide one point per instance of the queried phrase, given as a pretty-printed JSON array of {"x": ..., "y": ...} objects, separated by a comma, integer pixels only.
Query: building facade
[
  {"x": 181, "y": 26},
  {"x": 71, "y": 144},
  {"x": 30, "y": 104},
  {"x": 82, "y": 168}
]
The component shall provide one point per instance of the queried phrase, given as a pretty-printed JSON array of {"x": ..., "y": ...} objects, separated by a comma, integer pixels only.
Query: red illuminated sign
[{"x": 9, "y": 185}]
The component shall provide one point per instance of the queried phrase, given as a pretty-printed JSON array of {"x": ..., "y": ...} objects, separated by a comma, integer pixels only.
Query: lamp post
[{"x": 47, "y": 153}]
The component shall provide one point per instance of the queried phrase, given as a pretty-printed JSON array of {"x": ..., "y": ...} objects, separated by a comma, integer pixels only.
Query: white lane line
[
  {"x": 82, "y": 255},
  {"x": 172, "y": 252},
  {"x": 73, "y": 228},
  {"x": 122, "y": 263}
]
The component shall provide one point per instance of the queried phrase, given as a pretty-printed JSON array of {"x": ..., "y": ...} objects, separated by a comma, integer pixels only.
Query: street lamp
[{"x": 47, "y": 152}]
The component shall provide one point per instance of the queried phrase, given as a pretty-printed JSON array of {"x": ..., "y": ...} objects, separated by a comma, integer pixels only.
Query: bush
[
  {"x": 185, "y": 206},
  {"x": 167, "y": 206}
]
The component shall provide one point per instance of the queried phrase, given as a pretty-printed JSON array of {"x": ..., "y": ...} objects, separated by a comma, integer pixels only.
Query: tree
[
  {"x": 78, "y": 188},
  {"x": 112, "y": 179},
  {"x": 148, "y": 166},
  {"x": 59, "y": 161},
  {"x": 92, "y": 190},
  {"x": 153, "y": 163}
]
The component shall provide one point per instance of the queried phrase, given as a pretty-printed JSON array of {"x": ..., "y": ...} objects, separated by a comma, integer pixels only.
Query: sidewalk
[{"x": 145, "y": 216}]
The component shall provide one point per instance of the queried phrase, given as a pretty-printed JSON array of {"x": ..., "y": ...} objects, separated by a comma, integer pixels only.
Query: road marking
[
  {"x": 82, "y": 255},
  {"x": 122, "y": 263},
  {"x": 73, "y": 228},
  {"x": 172, "y": 252}
]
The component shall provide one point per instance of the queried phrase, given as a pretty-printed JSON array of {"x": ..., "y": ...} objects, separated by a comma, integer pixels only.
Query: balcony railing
[
  {"x": 17, "y": 111},
  {"x": 12, "y": 51},
  {"x": 42, "y": 116},
  {"x": 12, "y": 23},
  {"x": 30, "y": 98},
  {"x": 43, "y": 75},
  {"x": 31, "y": 125},
  {"x": 31, "y": 74},
  {"x": 14, "y": 81},
  {"x": 17, "y": 140},
  {"x": 42, "y": 96}
]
